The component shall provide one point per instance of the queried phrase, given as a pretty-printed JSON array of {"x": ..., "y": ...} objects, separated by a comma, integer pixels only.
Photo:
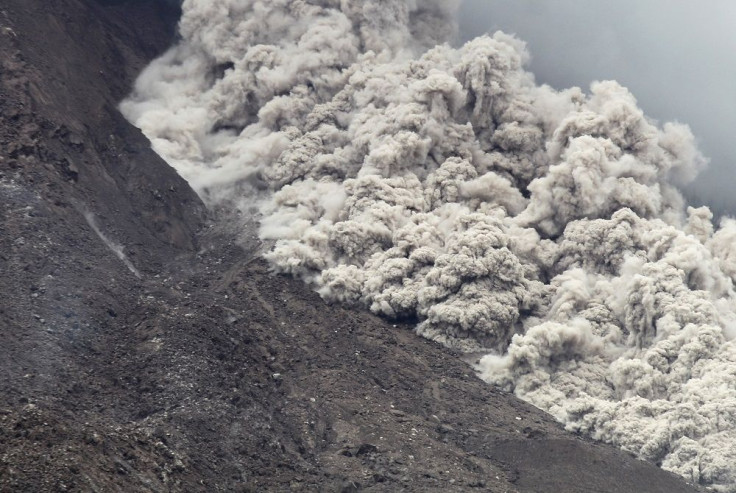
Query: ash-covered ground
[{"x": 146, "y": 347}]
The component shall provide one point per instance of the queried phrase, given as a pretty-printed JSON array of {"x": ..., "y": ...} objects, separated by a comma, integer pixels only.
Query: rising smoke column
[{"x": 542, "y": 227}]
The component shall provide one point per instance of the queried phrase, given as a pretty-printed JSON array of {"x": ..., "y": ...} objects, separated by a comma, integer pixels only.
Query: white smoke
[
  {"x": 542, "y": 227},
  {"x": 114, "y": 247}
]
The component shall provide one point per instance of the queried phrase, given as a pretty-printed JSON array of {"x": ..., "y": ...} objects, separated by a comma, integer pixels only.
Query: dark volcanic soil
[{"x": 191, "y": 368}]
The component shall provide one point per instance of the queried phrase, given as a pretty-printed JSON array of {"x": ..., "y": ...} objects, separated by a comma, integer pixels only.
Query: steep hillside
[{"x": 145, "y": 347}]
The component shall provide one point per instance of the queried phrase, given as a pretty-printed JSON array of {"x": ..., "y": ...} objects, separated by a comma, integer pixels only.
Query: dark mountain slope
[{"x": 142, "y": 350}]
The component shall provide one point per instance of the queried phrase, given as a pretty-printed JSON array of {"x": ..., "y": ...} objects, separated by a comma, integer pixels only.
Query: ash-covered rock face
[{"x": 544, "y": 227}]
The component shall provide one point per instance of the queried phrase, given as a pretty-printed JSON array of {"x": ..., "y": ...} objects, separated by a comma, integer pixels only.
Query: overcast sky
[{"x": 678, "y": 57}]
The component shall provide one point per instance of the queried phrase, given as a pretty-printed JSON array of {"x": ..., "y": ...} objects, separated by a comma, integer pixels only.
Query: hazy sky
[{"x": 678, "y": 57}]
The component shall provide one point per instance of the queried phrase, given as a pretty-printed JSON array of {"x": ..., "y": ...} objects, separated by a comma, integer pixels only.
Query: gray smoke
[
  {"x": 542, "y": 227},
  {"x": 666, "y": 52}
]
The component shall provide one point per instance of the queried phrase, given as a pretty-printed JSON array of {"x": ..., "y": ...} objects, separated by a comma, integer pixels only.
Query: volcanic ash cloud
[{"x": 542, "y": 227}]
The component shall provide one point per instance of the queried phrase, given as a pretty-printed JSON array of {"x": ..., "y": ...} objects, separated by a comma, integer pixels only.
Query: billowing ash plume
[{"x": 441, "y": 184}]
